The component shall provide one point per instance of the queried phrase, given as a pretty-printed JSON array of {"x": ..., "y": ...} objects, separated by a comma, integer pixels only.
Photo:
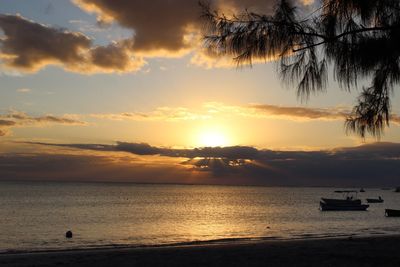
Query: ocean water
[{"x": 35, "y": 216}]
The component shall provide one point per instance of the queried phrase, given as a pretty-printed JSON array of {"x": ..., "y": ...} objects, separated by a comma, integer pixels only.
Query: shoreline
[
  {"x": 339, "y": 251},
  {"x": 205, "y": 243}
]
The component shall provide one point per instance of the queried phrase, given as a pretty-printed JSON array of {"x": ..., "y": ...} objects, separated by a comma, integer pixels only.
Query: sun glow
[{"x": 213, "y": 138}]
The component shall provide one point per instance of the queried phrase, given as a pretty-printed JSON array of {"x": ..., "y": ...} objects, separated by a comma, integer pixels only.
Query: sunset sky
[{"x": 134, "y": 77}]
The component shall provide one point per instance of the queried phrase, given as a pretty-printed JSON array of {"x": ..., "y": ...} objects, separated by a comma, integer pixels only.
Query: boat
[
  {"x": 362, "y": 190},
  {"x": 397, "y": 190},
  {"x": 326, "y": 207},
  {"x": 392, "y": 213},
  {"x": 347, "y": 203},
  {"x": 375, "y": 200}
]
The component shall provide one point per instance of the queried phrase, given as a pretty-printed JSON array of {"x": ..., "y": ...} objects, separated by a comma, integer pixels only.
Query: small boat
[
  {"x": 347, "y": 203},
  {"x": 339, "y": 202},
  {"x": 375, "y": 200},
  {"x": 397, "y": 190},
  {"x": 326, "y": 207},
  {"x": 392, "y": 213},
  {"x": 362, "y": 190}
]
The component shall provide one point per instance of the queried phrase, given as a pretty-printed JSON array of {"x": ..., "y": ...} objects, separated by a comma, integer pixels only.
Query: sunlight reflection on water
[{"x": 37, "y": 215}]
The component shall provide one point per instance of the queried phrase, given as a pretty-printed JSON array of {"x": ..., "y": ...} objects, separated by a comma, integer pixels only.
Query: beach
[{"x": 344, "y": 251}]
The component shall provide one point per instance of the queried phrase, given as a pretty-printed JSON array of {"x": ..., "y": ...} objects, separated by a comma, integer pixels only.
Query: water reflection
[{"x": 37, "y": 215}]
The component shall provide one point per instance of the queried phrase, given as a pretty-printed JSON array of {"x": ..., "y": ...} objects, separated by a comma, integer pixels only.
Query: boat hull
[
  {"x": 372, "y": 200},
  {"x": 328, "y": 207},
  {"x": 392, "y": 213},
  {"x": 341, "y": 202}
]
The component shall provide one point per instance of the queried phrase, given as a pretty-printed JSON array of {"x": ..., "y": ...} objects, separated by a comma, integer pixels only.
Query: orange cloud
[
  {"x": 160, "y": 114},
  {"x": 212, "y": 110}
]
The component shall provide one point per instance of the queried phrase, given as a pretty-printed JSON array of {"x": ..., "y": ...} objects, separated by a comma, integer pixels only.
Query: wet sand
[{"x": 356, "y": 251}]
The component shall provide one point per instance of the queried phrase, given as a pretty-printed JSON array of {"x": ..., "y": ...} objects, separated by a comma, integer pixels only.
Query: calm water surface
[{"x": 35, "y": 216}]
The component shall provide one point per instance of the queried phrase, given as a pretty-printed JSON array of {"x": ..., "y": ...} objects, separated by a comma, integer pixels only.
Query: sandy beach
[{"x": 356, "y": 251}]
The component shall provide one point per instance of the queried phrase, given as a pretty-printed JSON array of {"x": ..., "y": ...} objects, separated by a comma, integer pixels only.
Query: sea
[{"x": 34, "y": 216}]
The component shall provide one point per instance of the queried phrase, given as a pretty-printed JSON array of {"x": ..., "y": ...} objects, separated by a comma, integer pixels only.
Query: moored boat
[
  {"x": 392, "y": 213},
  {"x": 326, "y": 207},
  {"x": 375, "y": 200},
  {"x": 347, "y": 201},
  {"x": 345, "y": 204}
]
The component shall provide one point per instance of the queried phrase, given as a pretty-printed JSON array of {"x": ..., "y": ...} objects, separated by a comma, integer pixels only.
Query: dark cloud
[
  {"x": 116, "y": 56},
  {"x": 160, "y": 24},
  {"x": 20, "y": 119},
  {"x": 233, "y": 152},
  {"x": 67, "y": 167},
  {"x": 367, "y": 165},
  {"x": 111, "y": 56},
  {"x": 159, "y": 28},
  {"x": 7, "y": 123},
  {"x": 157, "y": 24},
  {"x": 29, "y": 46}
]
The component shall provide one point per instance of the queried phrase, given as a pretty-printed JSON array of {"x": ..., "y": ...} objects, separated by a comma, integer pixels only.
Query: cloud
[
  {"x": 7, "y": 123},
  {"x": 170, "y": 30},
  {"x": 85, "y": 167},
  {"x": 84, "y": 26},
  {"x": 20, "y": 119},
  {"x": 301, "y": 113},
  {"x": 173, "y": 28},
  {"x": 214, "y": 109},
  {"x": 234, "y": 152},
  {"x": 374, "y": 164},
  {"x": 373, "y": 151},
  {"x": 29, "y": 46},
  {"x": 159, "y": 29},
  {"x": 395, "y": 118},
  {"x": 158, "y": 25},
  {"x": 159, "y": 114},
  {"x": 24, "y": 90}
]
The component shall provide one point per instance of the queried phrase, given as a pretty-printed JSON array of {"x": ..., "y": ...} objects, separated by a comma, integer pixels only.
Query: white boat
[{"x": 349, "y": 202}]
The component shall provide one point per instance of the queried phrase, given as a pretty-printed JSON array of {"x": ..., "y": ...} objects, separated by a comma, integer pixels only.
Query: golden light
[{"x": 212, "y": 138}]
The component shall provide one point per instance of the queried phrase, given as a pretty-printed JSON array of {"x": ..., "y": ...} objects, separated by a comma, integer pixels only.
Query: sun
[{"x": 212, "y": 138}]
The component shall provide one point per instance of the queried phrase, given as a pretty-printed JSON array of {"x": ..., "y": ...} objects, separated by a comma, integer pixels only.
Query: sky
[{"x": 104, "y": 90}]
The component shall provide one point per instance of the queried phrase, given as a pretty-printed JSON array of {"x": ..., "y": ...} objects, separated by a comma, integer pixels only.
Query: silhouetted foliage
[{"x": 358, "y": 38}]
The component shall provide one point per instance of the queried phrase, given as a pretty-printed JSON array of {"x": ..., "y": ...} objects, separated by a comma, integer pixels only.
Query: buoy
[{"x": 68, "y": 234}]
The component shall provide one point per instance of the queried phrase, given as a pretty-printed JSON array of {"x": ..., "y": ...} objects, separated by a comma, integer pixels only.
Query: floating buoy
[{"x": 68, "y": 234}]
